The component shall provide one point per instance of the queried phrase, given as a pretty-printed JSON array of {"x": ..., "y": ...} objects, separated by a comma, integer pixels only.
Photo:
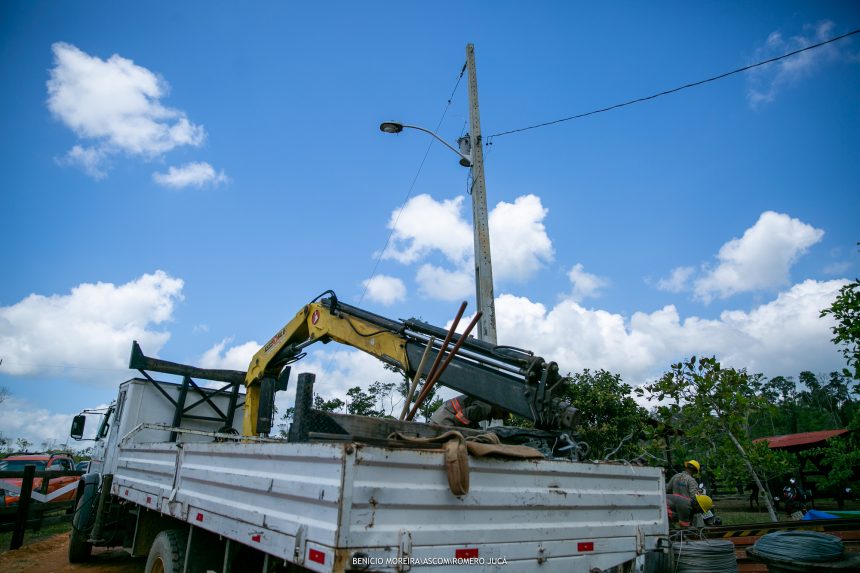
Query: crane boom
[{"x": 510, "y": 378}]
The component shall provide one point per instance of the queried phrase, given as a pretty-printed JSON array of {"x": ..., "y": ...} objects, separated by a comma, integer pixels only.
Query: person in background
[
  {"x": 683, "y": 483},
  {"x": 682, "y": 509},
  {"x": 466, "y": 412}
]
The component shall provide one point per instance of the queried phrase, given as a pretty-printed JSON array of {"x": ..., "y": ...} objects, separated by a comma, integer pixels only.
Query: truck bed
[{"x": 340, "y": 506}]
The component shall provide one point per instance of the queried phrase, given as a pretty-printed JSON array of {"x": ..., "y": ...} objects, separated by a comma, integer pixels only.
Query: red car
[{"x": 59, "y": 488}]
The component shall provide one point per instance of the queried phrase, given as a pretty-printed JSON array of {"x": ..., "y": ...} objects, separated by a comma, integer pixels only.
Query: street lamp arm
[{"x": 391, "y": 127}]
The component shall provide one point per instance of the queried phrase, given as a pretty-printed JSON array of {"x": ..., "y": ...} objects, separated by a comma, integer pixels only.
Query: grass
[
  {"x": 31, "y": 536},
  {"x": 735, "y": 510}
]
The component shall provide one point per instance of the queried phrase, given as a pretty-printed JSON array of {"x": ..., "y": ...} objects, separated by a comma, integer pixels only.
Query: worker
[
  {"x": 683, "y": 483},
  {"x": 682, "y": 509},
  {"x": 466, "y": 412}
]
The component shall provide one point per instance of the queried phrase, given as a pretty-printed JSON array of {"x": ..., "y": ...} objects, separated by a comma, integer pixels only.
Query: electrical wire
[
  {"x": 405, "y": 201},
  {"x": 808, "y": 546},
  {"x": 673, "y": 90},
  {"x": 411, "y": 186},
  {"x": 705, "y": 556}
]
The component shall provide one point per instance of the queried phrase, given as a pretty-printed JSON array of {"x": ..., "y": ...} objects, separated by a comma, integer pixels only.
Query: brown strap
[
  {"x": 457, "y": 466},
  {"x": 456, "y": 457}
]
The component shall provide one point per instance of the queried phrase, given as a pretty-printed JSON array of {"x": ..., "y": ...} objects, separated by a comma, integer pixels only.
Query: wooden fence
[{"x": 34, "y": 509}]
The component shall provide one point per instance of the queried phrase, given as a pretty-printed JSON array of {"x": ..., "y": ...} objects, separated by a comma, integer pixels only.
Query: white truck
[{"x": 178, "y": 476}]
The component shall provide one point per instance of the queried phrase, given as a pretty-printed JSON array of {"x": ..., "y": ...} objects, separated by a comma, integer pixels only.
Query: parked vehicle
[
  {"x": 61, "y": 488},
  {"x": 187, "y": 475}
]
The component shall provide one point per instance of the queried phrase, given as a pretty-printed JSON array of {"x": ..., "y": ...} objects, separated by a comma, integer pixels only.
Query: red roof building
[{"x": 802, "y": 441}]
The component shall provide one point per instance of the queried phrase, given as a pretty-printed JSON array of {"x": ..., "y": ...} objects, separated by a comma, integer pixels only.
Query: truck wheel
[
  {"x": 167, "y": 554},
  {"x": 79, "y": 548}
]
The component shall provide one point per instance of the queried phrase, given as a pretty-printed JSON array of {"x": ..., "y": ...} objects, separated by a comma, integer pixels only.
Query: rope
[
  {"x": 705, "y": 556},
  {"x": 808, "y": 546}
]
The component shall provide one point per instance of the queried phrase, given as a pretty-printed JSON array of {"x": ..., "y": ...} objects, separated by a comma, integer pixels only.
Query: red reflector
[
  {"x": 199, "y": 517},
  {"x": 256, "y": 538},
  {"x": 466, "y": 553},
  {"x": 126, "y": 492},
  {"x": 316, "y": 556},
  {"x": 588, "y": 546},
  {"x": 148, "y": 499}
]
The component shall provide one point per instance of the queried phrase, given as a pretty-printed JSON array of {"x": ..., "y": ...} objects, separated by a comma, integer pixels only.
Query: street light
[
  {"x": 472, "y": 156},
  {"x": 465, "y": 158}
]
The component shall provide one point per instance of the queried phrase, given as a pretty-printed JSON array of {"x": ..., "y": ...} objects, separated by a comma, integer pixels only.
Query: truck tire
[
  {"x": 82, "y": 521},
  {"x": 79, "y": 549},
  {"x": 167, "y": 554}
]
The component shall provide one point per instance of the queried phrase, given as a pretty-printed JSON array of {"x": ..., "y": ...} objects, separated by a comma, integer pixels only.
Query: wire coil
[
  {"x": 806, "y": 546},
  {"x": 705, "y": 556}
]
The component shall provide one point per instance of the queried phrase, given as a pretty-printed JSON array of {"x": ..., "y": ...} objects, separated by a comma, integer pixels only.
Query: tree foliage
[
  {"x": 610, "y": 420},
  {"x": 715, "y": 404},
  {"x": 846, "y": 332}
]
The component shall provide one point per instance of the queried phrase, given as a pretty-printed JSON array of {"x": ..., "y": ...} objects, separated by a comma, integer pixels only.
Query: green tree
[
  {"x": 331, "y": 405},
  {"x": 846, "y": 332},
  {"x": 610, "y": 420},
  {"x": 377, "y": 401},
  {"x": 718, "y": 403},
  {"x": 430, "y": 404}
]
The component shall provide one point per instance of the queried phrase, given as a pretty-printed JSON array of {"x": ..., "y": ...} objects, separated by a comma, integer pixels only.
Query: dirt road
[{"x": 49, "y": 556}]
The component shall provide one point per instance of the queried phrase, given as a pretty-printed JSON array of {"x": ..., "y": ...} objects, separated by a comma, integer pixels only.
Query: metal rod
[
  {"x": 442, "y": 350},
  {"x": 416, "y": 378},
  {"x": 438, "y": 373}
]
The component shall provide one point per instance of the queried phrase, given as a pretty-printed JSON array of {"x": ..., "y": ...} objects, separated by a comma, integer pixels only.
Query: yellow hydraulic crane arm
[{"x": 317, "y": 322}]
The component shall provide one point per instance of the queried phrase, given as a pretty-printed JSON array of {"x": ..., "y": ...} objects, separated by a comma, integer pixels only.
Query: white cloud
[
  {"x": 341, "y": 368},
  {"x": 21, "y": 419},
  {"x": 766, "y": 82},
  {"x": 585, "y": 285},
  {"x": 232, "y": 358},
  {"x": 425, "y": 225},
  {"x": 678, "y": 280},
  {"x": 783, "y": 336},
  {"x": 337, "y": 369},
  {"x": 761, "y": 259},
  {"x": 190, "y": 175},
  {"x": 116, "y": 104},
  {"x": 441, "y": 284},
  {"x": 518, "y": 241},
  {"x": 90, "y": 159},
  {"x": 92, "y": 327},
  {"x": 519, "y": 244},
  {"x": 384, "y": 289}
]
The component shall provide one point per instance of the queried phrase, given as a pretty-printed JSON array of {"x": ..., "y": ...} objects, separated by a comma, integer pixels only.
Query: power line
[
  {"x": 673, "y": 90},
  {"x": 405, "y": 200},
  {"x": 412, "y": 186}
]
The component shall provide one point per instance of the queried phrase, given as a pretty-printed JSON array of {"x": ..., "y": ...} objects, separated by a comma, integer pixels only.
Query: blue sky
[{"x": 189, "y": 175}]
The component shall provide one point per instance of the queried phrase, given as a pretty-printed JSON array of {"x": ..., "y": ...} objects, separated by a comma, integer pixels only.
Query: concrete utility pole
[{"x": 484, "y": 297}]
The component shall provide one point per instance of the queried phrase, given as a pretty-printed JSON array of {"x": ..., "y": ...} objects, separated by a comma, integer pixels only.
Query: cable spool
[
  {"x": 705, "y": 556},
  {"x": 803, "y": 546}
]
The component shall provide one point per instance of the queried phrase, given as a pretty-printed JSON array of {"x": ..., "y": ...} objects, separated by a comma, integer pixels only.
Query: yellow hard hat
[
  {"x": 704, "y": 502},
  {"x": 693, "y": 464}
]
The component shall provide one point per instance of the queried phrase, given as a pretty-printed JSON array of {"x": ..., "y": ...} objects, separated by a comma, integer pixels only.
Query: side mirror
[{"x": 78, "y": 423}]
